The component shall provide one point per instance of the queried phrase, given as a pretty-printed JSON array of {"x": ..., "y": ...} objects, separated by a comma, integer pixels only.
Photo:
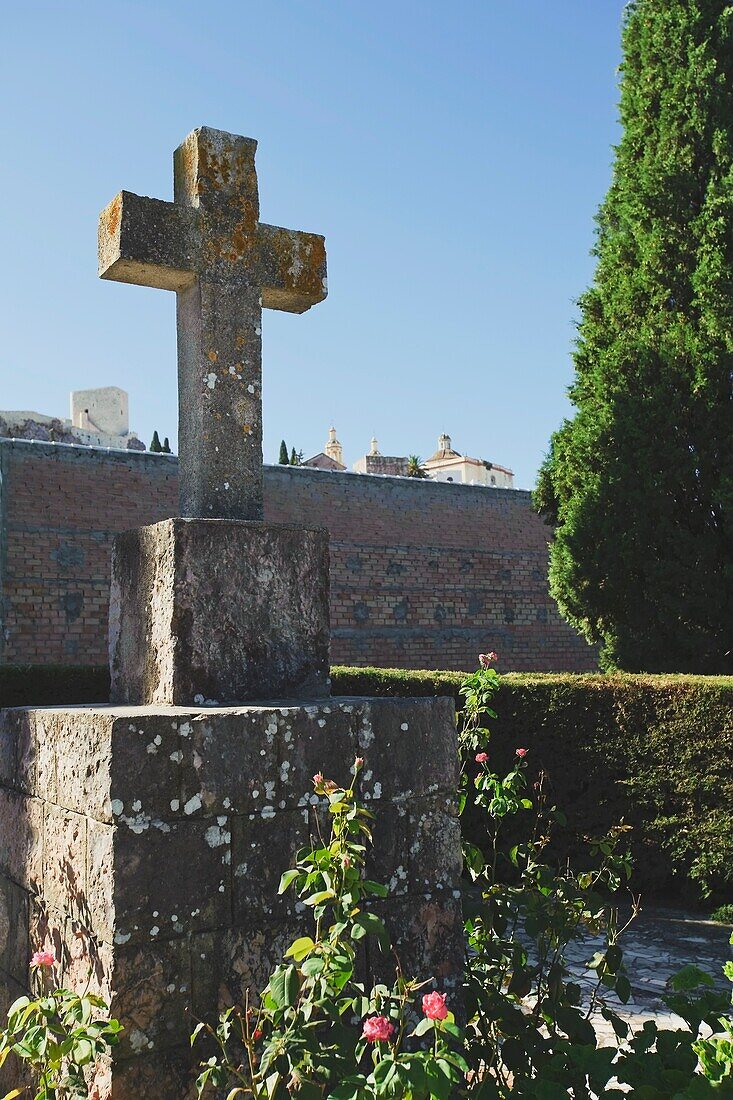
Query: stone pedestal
[
  {"x": 145, "y": 846},
  {"x": 219, "y": 611}
]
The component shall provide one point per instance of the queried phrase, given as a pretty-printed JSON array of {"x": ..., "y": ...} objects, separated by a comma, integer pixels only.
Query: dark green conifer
[
  {"x": 166, "y": 448},
  {"x": 283, "y": 459},
  {"x": 155, "y": 446},
  {"x": 640, "y": 482}
]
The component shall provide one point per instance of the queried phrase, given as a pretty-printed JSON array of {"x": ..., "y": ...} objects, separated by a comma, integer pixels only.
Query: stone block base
[
  {"x": 219, "y": 611},
  {"x": 145, "y": 846}
]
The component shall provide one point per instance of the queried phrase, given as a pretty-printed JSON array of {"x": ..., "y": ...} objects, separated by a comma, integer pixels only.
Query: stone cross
[{"x": 225, "y": 265}]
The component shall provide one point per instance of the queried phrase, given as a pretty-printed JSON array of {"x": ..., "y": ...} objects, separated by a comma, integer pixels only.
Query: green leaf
[
  {"x": 690, "y": 977},
  {"x": 302, "y": 947},
  {"x": 285, "y": 880}
]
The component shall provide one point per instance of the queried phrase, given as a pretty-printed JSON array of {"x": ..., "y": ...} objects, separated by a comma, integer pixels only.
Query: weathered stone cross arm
[{"x": 151, "y": 242}]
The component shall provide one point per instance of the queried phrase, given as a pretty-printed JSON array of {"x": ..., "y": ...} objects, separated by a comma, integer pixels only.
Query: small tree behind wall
[
  {"x": 639, "y": 484},
  {"x": 283, "y": 459}
]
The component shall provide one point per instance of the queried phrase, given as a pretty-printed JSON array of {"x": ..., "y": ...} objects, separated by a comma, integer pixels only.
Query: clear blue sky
[{"x": 453, "y": 154}]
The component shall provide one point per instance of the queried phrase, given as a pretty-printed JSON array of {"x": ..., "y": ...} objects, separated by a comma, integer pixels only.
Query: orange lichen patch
[
  {"x": 111, "y": 216},
  {"x": 212, "y": 355},
  {"x": 240, "y": 341}
]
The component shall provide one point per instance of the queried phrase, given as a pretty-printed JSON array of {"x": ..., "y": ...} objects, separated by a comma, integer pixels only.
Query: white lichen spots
[
  {"x": 175, "y": 805},
  {"x": 170, "y": 988},
  {"x": 139, "y": 1040},
  {"x": 377, "y": 790},
  {"x": 306, "y": 815},
  {"x": 284, "y": 769},
  {"x": 122, "y": 937},
  {"x": 221, "y": 888},
  {"x": 268, "y": 812},
  {"x": 258, "y": 330},
  {"x": 152, "y": 748},
  {"x": 117, "y": 807},
  {"x": 405, "y": 726},
  {"x": 250, "y": 388},
  {"x": 176, "y": 756},
  {"x": 226, "y": 484},
  {"x": 154, "y": 930},
  {"x": 324, "y": 284},
  {"x": 270, "y": 790},
  {"x": 255, "y": 793},
  {"x": 326, "y": 710},
  {"x": 210, "y": 380},
  {"x": 288, "y": 736},
  {"x": 198, "y": 699},
  {"x": 137, "y": 805},
  {"x": 185, "y": 729},
  {"x": 312, "y": 712},
  {"x": 197, "y": 760},
  {"x": 227, "y": 857},
  {"x": 155, "y": 912},
  {"x": 299, "y": 907},
  {"x": 131, "y": 728},
  {"x": 162, "y": 825},
  {"x": 367, "y": 733},
  {"x": 282, "y": 804},
  {"x": 215, "y": 835},
  {"x": 227, "y": 803},
  {"x": 195, "y": 912},
  {"x": 193, "y": 804},
  {"x": 456, "y": 893},
  {"x": 321, "y": 722},
  {"x": 174, "y": 919},
  {"x": 348, "y": 710}
]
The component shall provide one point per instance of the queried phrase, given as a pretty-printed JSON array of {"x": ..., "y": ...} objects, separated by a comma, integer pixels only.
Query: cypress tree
[
  {"x": 639, "y": 484},
  {"x": 166, "y": 448},
  {"x": 155, "y": 446},
  {"x": 283, "y": 459},
  {"x": 294, "y": 461}
]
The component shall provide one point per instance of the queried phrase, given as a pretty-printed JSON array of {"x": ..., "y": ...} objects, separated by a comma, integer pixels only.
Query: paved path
[{"x": 658, "y": 944}]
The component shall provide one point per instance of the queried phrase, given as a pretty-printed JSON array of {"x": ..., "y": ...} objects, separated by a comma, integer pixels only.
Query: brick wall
[{"x": 423, "y": 575}]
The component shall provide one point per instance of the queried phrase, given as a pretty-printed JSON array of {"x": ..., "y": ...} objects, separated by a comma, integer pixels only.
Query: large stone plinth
[
  {"x": 145, "y": 845},
  {"x": 219, "y": 611}
]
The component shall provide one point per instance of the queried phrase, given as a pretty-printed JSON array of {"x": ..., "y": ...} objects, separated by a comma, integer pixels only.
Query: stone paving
[{"x": 658, "y": 944}]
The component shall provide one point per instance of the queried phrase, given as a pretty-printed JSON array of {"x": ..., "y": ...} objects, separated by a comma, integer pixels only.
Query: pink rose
[
  {"x": 378, "y": 1029},
  {"x": 317, "y": 779},
  {"x": 485, "y": 659},
  {"x": 521, "y": 753},
  {"x": 434, "y": 1006},
  {"x": 43, "y": 958},
  {"x": 481, "y": 757}
]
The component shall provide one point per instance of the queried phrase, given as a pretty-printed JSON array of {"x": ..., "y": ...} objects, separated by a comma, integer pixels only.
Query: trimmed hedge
[
  {"x": 655, "y": 751},
  {"x": 52, "y": 685}
]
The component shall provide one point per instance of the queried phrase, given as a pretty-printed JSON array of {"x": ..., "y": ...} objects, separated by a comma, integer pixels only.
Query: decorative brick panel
[{"x": 423, "y": 575}]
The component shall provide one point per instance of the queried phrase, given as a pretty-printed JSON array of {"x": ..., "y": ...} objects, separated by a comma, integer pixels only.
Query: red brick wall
[{"x": 423, "y": 575}]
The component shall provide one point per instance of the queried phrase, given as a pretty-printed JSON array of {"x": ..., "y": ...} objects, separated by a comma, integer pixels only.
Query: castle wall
[{"x": 423, "y": 575}]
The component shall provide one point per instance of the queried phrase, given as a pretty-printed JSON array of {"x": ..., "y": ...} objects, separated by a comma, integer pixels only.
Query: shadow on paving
[{"x": 656, "y": 945}]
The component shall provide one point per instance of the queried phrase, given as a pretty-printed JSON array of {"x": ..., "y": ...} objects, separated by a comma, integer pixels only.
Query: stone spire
[
  {"x": 333, "y": 448},
  {"x": 374, "y": 449}
]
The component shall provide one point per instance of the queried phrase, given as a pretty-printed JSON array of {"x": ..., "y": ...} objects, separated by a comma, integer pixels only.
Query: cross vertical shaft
[{"x": 219, "y": 402}]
